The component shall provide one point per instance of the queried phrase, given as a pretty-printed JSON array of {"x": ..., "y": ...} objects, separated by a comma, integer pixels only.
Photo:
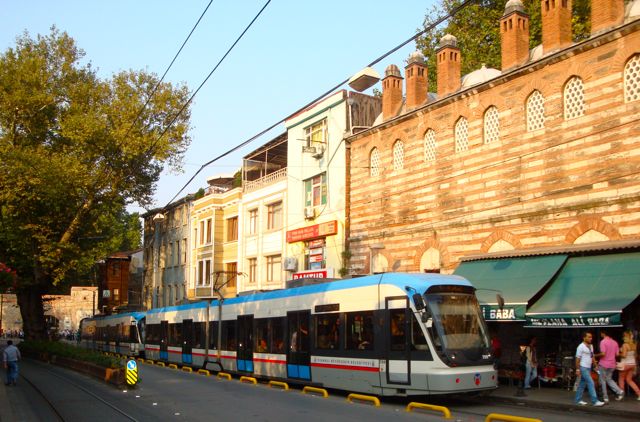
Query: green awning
[
  {"x": 516, "y": 279},
  {"x": 590, "y": 291}
]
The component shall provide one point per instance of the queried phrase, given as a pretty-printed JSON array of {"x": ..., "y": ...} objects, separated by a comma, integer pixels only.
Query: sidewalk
[{"x": 561, "y": 399}]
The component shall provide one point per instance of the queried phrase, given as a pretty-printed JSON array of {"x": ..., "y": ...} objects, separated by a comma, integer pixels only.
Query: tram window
[
  {"x": 149, "y": 334},
  {"x": 199, "y": 337},
  {"x": 213, "y": 335},
  {"x": 418, "y": 340},
  {"x": 175, "y": 335},
  {"x": 397, "y": 330},
  {"x": 327, "y": 331},
  {"x": 229, "y": 335},
  {"x": 277, "y": 335},
  {"x": 359, "y": 331},
  {"x": 261, "y": 337}
]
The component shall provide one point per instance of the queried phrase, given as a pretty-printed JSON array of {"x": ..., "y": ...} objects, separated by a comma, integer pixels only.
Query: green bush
[{"x": 69, "y": 351}]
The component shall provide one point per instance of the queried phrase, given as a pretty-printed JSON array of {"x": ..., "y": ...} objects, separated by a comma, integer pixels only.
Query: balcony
[{"x": 269, "y": 179}]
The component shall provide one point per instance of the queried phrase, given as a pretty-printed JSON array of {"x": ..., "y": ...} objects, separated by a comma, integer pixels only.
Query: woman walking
[{"x": 628, "y": 358}]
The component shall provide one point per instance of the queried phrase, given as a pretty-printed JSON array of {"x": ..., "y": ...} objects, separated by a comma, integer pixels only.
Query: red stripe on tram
[{"x": 345, "y": 367}]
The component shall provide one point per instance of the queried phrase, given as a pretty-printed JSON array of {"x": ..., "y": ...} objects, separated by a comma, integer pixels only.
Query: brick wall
[{"x": 527, "y": 189}]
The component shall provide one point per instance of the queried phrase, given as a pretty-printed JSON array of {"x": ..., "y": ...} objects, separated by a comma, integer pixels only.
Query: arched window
[
  {"x": 491, "y": 125},
  {"x": 374, "y": 163},
  {"x": 535, "y": 111},
  {"x": 398, "y": 155},
  {"x": 573, "y": 98},
  {"x": 430, "y": 145},
  {"x": 632, "y": 79},
  {"x": 462, "y": 135}
]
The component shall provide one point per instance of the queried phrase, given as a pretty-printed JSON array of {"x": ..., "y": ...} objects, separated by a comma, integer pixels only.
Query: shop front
[{"x": 313, "y": 242}]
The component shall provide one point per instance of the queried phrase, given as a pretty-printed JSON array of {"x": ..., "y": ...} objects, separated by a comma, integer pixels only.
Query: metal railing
[{"x": 265, "y": 180}]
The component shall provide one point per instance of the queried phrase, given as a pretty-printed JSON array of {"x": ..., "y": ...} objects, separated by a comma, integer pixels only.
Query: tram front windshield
[{"x": 458, "y": 332}]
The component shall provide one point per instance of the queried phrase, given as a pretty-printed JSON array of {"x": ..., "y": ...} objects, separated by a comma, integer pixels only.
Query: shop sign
[
  {"x": 312, "y": 232},
  {"x": 576, "y": 321},
  {"x": 316, "y": 258},
  {"x": 507, "y": 313},
  {"x": 318, "y": 243},
  {"x": 310, "y": 274}
]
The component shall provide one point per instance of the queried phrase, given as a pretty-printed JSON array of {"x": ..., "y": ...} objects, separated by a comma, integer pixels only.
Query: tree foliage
[
  {"x": 476, "y": 26},
  {"x": 71, "y": 157}
]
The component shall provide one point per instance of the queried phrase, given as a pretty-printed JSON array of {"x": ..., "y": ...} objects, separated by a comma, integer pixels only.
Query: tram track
[{"x": 84, "y": 395}]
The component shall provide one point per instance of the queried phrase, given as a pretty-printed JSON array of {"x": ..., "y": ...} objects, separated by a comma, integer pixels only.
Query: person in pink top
[{"x": 607, "y": 364}]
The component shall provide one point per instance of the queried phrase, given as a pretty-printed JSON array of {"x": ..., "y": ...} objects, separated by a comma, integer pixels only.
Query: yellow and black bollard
[{"x": 132, "y": 373}]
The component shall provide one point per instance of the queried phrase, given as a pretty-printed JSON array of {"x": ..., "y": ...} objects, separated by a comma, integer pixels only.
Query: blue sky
[{"x": 294, "y": 52}]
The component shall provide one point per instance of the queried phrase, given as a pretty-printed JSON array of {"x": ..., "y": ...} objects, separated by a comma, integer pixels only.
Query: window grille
[
  {"x": 573, "y": 98},
  {"x": 462, "y": 135},
  {"x": 398, "y": 155},
  {"x": 374, "y": 163},
  {"x": 535, "y": 111},
  {"x": 430, "y": 145},
  {"x": 491, "y": 125},
  {"x": 632, "y": 79}
]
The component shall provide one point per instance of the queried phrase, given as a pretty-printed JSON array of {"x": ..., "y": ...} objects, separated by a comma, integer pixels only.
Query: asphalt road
[{"x": 168, "y": 394}]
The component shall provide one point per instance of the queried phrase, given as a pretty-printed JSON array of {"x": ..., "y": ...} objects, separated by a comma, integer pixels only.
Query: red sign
[
  {"x": 316, "y": 243},
  {"x": 310, "y": 274},
  {"x": 316, "y": 258},
  {"x": 312, "y": 232}
]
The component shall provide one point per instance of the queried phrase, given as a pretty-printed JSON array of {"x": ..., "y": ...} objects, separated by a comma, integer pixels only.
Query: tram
[
  {"x": 119, "y": 333},
  {"x": 385, "y": 334}
]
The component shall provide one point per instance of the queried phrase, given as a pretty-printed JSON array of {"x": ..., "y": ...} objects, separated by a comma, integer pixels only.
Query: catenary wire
[{"x": 430, "y": 27}]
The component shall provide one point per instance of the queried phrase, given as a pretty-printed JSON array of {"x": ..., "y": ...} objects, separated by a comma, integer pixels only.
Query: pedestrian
[
  {"x": 628, "y": 359},
  {"x": 531, "y": 366},
  {"x": 496, "y": 350},
  {"x": 584, "y": 362},
  {"x": 11, "y": 356},
  {"x": 607, "y": 364}
]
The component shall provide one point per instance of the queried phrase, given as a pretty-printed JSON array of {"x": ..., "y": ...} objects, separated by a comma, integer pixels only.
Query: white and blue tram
[
  {"x": 119, "y": 333},
  {"x": 385, "y": 334}
]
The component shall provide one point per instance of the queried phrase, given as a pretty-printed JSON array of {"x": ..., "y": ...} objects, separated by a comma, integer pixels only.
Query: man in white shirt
[{"x": 584, "y": 361}]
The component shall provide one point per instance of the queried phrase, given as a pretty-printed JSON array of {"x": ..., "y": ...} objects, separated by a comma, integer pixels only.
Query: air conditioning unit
[
  {"x": 309, "y": 213},
  {"x": 290, "y": 263},
  {"x": 319, "y": 152}
]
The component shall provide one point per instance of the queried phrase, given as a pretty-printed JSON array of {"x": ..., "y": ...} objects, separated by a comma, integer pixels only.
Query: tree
[
  {"x": 72, "y": 156},
  {"x": 476, "y": 26}
]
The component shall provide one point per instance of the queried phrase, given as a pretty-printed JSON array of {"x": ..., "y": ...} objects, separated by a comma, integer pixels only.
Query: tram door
[
  {"x": 187, "y": 341},
  {"x": 245, "y": 343},
  {"x": 398, "y": 363},
  {"x": 164, "y": 339},
  {"x": 298, "y": 355}
]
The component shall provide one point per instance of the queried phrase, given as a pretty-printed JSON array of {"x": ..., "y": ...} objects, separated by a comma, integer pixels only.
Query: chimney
[
  {"x": 391, "y": 92},
  {"x": 606, "y": 14},
  {"x": 448, "y": 67},
  {"x": 416, "y": 79},
  {"x": 556, "y": 24},
  {"x": 514, "y": 35}
]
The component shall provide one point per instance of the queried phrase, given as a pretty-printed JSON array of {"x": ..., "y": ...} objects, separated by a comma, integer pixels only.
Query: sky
[{"x": 294, "y": 52}]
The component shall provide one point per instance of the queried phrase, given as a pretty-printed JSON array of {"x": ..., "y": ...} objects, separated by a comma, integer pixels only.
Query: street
[{"x": 46, "y": 392}]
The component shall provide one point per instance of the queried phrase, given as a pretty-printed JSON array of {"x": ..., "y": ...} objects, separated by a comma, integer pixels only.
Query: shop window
[
  {"x": 359, "y": 331},
  {"x": 327, "y": 331},
  {"x": 430, "y": 146},
  {"x": 535, "y": 111},
  {"x": 315, "y": 190},
  {"x": 491, "y": 125},
  {"x": 632, "y": 79},
  {"x": 573, "y": 98},
  {"x": 462, "y": 135}
]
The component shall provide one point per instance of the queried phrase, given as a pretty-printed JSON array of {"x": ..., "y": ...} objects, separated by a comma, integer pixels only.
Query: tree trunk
[{"x": 32, "y": 311}]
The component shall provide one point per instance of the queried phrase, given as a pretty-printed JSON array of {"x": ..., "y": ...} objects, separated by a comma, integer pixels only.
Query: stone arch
[
  {"x": 587, "y": 224},
  {"x": 497, "y": 236},
  {"x": 445, "y": 259},
  {"x": 371, "y": 258}
]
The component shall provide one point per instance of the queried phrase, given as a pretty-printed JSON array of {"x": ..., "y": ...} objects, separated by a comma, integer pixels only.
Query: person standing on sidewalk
[
  {"x": 607, "y": 364},
  {"x": 531, "y": 368},
  {"x": 584, "y": 361},
  {"x": 11, "y": 356},
  {"x": 628, "y": 359}
]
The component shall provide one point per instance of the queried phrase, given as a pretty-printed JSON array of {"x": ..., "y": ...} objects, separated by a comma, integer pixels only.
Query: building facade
[
  {"x": 318, "y": 182},
  {"x": 166, "y": 253},
  {"x": 214, "y": 246}
]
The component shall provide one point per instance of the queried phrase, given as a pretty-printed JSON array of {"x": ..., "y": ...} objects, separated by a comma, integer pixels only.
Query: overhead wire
[{"x": 428, "y": 28}]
